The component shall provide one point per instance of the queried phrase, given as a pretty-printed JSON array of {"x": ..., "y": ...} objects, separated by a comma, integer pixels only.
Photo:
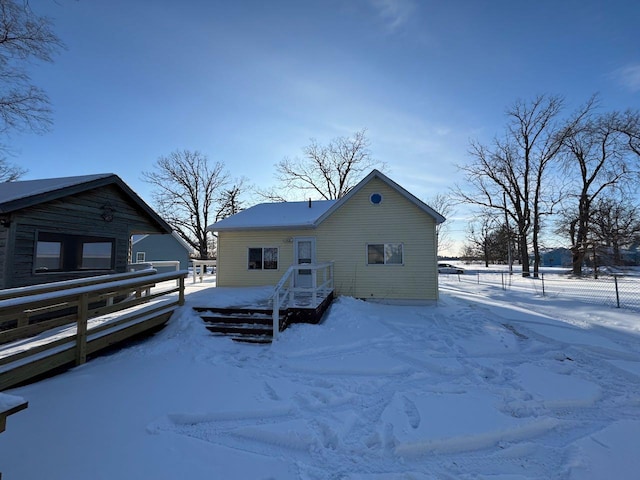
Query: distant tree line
[{"x": 580, "y": 169}]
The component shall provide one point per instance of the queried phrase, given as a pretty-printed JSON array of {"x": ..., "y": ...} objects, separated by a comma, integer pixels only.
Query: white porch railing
[
  {"x": 200, "y": 267},
  {"x": 290, "y": 292},
  {"x": 140, "y": 266}
]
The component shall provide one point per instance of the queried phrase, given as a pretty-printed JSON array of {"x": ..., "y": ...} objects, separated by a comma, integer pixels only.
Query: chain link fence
[{"x": 611, "y": 290}]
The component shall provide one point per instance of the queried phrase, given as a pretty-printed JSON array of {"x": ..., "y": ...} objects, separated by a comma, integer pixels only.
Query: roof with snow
[
  {"x": 26, "y": 193},
  {"x": 276, "y": 215},
  {"x": 307, "y": 214},
  {"x": 138, "y": 238},
  {"x": 12, "y": 192}
]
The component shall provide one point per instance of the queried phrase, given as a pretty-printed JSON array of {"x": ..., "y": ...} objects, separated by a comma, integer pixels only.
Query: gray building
[
  {"x": 150, "y": 248},
  {"x": 57, "y": 229}
]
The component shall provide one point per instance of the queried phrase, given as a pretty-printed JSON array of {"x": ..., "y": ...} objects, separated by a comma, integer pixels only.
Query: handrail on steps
[{"x": 289, "y": 278}]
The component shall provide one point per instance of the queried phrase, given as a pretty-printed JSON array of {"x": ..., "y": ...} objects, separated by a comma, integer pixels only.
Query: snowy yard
[{"x": 488, "y": 384}]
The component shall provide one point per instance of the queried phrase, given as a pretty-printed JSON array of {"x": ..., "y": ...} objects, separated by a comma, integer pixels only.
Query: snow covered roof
[
  {"x": 10, "y": 192},
  {"x": 137, "y": 238},
  {"x": 300, "y": 215},
  {"x": 276, "y": 215},
  {"x": 25, "y": 193}
]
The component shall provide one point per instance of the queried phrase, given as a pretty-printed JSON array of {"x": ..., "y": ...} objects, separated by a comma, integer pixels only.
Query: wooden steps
[
  {"x": 252, "y": 324},
  {"x": 243, "y": 324}
]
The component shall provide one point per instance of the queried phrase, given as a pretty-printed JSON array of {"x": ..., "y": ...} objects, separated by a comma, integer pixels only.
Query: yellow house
[{"x": 380, "y": 238}]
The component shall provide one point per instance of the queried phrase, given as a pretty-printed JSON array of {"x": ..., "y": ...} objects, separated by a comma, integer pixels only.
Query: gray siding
[
  {"x": 75, "y": 215},
  {"x": 161, "y": 247},
  {"x": 4, "y": 235}
]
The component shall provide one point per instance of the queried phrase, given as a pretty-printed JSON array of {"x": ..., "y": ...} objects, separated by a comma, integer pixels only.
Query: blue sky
[{"x": 250, "y": 82}]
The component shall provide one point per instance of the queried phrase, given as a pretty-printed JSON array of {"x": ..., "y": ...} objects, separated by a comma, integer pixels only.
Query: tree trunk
[
  {"x": 580, "y": 245},
  {"x": 486, "y": 254},
  {"x": 524, "y": 256},
  {"x": 577, "y": 258},
  {"x": 617, "y": 256},
  {"x": 536, "y": 248}
]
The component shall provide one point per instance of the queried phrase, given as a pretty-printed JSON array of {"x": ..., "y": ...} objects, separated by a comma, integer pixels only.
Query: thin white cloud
[
  {"x": 395, "y": 13},
  {"x": 629, "y": 76}
]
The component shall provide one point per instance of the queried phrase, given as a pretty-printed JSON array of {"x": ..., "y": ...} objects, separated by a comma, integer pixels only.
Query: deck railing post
[
  {"x": 314, "y": 285},
  {"x": 81, "y": 330},
  {"x": 276, "y": 314},
  {"x": 181, "y": 293}
]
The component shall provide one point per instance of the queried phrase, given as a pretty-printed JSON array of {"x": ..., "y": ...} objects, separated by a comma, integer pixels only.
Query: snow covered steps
[
  {"x": 254, "y": 324},
  {"x": 243, "y": 324}
]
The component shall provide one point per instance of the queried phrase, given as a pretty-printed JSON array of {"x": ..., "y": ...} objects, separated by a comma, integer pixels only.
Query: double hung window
[
  {"x": 385, "y": 254},
  {"x": 263, "y": 258}
]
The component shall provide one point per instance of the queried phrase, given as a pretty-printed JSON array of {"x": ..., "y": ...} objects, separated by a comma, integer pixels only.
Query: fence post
[
  {"x": 615, "y": 281},
  {"x": 81, "y": 329},
  {"x": 542, "y": 278}
]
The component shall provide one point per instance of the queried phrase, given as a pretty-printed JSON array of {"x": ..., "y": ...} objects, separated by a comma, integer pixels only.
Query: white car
[{"x": 448, "y": 268}]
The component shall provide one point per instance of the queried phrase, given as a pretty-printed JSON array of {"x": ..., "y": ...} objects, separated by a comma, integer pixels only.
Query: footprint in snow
[
  {"x": 413, "y": 415},
  {"x": 271, "y": 393}
]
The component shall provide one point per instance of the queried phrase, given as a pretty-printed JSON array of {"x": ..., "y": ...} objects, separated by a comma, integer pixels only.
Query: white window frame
[
  {"x": 262, "y": 249},
  {"x": 140, "y": 257},
  {"x": 384, "y": 254}
]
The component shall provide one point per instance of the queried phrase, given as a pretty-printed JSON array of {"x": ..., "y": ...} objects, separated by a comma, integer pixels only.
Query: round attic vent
[{"x": 375, "y": 198}]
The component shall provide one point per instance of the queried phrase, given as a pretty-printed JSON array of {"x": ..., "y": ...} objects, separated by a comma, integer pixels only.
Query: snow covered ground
[{"x": 487, "y": 384}]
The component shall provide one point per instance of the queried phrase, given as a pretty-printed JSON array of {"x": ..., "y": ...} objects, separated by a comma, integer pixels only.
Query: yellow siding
[
  {"x": 345, "y": 235},
  {"x": 343, "y": 238},
  {"x": 233, "y": 250}
]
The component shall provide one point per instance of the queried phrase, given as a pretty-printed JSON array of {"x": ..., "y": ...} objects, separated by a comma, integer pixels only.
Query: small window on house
[
  {"x": 96, "y": 256},
  {"x": 376, "y": 198},
  {"x": 264, "y": 258},
  {"x": 56, "y": 252},
  {"x": 385, "y": 254},
  {"x": 48, "y": 256},
  {"x": 139, "y": 257}
]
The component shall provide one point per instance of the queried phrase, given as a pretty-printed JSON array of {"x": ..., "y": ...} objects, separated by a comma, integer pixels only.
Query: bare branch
[
  {"x": 23, "y": 36},
  {"x": 328, "y": 171},
  {"x": 191, "y": 194}
]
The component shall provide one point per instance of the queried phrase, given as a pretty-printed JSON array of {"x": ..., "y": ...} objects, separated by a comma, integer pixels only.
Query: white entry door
[{"x": 304, "y": 253}]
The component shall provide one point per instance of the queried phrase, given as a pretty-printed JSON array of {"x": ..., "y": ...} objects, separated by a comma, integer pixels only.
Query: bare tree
[
  {"x": 191, "y": 194},
  {"x": 600, "y": 155},
  {"x": 487, "y": 236},
  {"x": 328, "y": 171},
  {"x": 229, "y": 201},
  {"x": 23, "y": 36},
  {"x": 10, "y": 172},
  {"x": 511, "y": 175},
  {"x": 615, "y": 225},
  {"x": 442, "y": 204}
]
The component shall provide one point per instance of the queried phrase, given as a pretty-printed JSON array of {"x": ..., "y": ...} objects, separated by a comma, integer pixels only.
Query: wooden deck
[
  {"x": 47, "y": 331},
  {"x": 255, "y": 323}
]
